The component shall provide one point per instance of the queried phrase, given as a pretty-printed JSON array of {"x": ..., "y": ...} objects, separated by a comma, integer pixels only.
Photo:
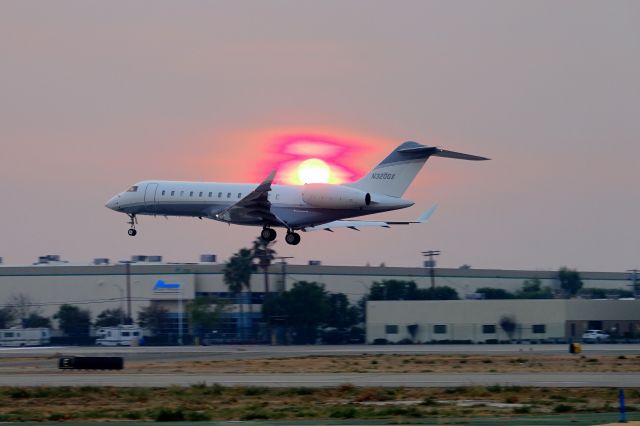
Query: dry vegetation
[
  {"x": 405, "y": 364},
  {"x": 201, "y": 402}
]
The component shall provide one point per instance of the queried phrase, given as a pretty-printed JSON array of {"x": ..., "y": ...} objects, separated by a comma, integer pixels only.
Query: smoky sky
[{"x": 95, "y": 96}]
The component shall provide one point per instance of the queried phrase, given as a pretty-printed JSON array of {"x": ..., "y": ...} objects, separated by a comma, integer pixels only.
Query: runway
[
  {"x": 225, "y": 352},
  {"x": 563, "y": 380}
]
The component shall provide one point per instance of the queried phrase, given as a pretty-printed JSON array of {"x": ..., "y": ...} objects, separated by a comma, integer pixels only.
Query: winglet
[
  {"x": 424, "y": 217},
  {"x": 266, "y": 184}
]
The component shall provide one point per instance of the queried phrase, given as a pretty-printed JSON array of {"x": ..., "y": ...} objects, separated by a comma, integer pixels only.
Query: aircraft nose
[{"x": 113, "y": 203}]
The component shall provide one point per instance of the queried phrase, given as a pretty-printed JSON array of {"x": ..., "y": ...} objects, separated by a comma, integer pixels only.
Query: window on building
[
  {"x": 391, "y": 329},
  {"x": 488, "y": 329},
  {"x": 440, "y": 329},
  {"x": 125, "y": 334},
  {"x": 173, "y": 193},
  {"x": 210, "y": 194},
  {"x": 539, "y": 328},
  {"x": 163, "y": 192},
  {"x": 239, "y": 195},
  {"x": 200, "y": 195},
  {"x": 191, "y": 194},
  {"x": 219, "y": 194},
  {"x": 228, "y": 195}
]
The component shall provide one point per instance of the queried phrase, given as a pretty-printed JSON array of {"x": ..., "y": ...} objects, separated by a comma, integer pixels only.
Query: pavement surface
[{"x": 560, "y": 380}]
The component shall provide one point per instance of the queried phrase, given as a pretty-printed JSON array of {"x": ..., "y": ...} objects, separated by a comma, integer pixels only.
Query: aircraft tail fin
[{"x": 396, "y": 172}]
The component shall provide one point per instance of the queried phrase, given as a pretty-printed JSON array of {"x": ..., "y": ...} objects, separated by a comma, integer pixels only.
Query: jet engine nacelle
[{"x": 334, "y": 197}]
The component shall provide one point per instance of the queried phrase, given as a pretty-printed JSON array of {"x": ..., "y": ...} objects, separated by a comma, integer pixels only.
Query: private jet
[{"x": 308, "y": 207}]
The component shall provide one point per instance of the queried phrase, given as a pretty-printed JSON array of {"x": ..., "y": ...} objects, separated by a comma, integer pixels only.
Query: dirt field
[{"x": 405, "y": 364}]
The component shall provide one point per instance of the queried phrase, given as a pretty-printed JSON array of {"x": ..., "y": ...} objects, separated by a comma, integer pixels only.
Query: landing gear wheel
[
  {"x": 268, "y": 234},
  {"x": 133, "y": 220},
  {"x": 292, "y": 238}
]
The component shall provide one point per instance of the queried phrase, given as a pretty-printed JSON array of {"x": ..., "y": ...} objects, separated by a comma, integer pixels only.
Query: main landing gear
[
  {"x": 292, "y": 238},
  {"x": 268, "y": 234},
  {"x": 133, "y": 220}
]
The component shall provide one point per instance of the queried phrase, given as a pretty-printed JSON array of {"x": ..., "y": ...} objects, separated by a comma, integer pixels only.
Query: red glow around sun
[{"x": 305, "y": 157}]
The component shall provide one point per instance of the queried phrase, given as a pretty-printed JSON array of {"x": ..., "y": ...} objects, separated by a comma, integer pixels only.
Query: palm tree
[
  {"x": 237, "y": 276},
  {"x": 264, "y": 253}
]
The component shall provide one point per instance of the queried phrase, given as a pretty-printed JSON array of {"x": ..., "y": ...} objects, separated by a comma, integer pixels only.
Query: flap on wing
[{"x": 355, "y": 224}]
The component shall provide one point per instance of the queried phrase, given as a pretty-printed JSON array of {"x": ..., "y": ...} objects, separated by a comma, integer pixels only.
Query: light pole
[
  {"x": 102, "y": 283},
  {"x": 283, "y": 272},
  {"x": 432, "y": 264}
]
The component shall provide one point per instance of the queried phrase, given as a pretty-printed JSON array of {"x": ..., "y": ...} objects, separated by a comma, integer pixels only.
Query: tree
[
  {"x": 36, "y": 321},
  {"x": 342, "y": 314},
  {"x": 7, "y": 317},
  {"x": 393, "y": 290},
  {"x": 204, "y": 314},
  {"x": 153, "y": 318},
  {"x": 570, "y": 280},
  {"x": 508, "y": 325},
  {"x": 532, "y": 289},
  {"x": 237, "y": 276},
  {"x": 110, "y": 318},
  {"x": 263, "y": 252},
  {"x": 494, "y": 293},
  {"x": 22, "y": 306},
  {"x": 302, "y": 309},
  {"x": 436, "y": 293},
  {"x": 73, "y": 321}
]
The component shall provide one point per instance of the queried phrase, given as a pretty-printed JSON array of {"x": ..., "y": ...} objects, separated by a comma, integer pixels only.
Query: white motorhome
[
  {"x": 24, "y": 336},
  {"x": 121, "y": 335}
]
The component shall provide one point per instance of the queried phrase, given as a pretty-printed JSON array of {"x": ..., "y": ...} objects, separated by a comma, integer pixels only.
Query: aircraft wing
[
  {"x": 356, "y": 224},
  {"x": 254, "y": 208}
]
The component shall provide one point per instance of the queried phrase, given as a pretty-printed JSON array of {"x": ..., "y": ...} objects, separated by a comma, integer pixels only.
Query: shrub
[
  {"x": 169, "y": 415},
  {"x": 343, "y": 413},
  {"x": 562, "y": 408}
]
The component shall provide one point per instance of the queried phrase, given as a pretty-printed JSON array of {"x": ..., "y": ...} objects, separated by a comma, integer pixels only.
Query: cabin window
[
  {"x": 125, "y": 334},
  {"x": 228, "y": 195},
  {"x": 210, "y": 194},
  {"x": 191, "y": 194},
  {"x": 163, "y": 192},
  {"x": 135, "y": 333},
  {"x": 200, "y": 194},
  {"x": 239, "y": 195},
  {"x": 8, "y": 334},
  {"x": 219, "y": 194},
  {"x": 134, "y": 188},
  {"x": 173, "y": 193}
]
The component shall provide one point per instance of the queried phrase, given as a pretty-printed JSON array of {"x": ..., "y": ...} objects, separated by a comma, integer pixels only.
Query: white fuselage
[{"x": 208, "y": 199}]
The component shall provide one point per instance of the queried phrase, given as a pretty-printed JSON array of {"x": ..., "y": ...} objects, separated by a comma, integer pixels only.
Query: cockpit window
[{"x": 134, "y": 188}]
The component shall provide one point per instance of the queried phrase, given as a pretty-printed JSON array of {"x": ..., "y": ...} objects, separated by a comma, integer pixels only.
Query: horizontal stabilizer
[{"x": 457, "y": 155}]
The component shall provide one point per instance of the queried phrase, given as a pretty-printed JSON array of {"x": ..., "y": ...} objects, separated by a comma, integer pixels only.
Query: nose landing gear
[
  {"x": 292, "y": 238},
  {"x": 133, "y": 220}
]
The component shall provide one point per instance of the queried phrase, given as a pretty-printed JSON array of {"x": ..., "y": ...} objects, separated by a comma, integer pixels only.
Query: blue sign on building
[{"x": 161, "y": 285}]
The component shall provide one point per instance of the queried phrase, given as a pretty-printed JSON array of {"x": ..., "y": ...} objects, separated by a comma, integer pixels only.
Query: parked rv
[
  {"x": 122, "y": 335},
  {"x": 25, "y": 336}
]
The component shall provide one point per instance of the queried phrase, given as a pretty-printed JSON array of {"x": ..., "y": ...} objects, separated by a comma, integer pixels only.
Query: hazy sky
[{"x": 97, "y": 95}]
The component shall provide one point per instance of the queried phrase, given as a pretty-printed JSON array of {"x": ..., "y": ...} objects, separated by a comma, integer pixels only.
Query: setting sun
[{"x": 314, "y": 170}]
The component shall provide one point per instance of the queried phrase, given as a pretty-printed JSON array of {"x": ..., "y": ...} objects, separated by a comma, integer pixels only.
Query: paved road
[
  {"x": 565, "y": 380},
  {"x": 264, "y": 351}
]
